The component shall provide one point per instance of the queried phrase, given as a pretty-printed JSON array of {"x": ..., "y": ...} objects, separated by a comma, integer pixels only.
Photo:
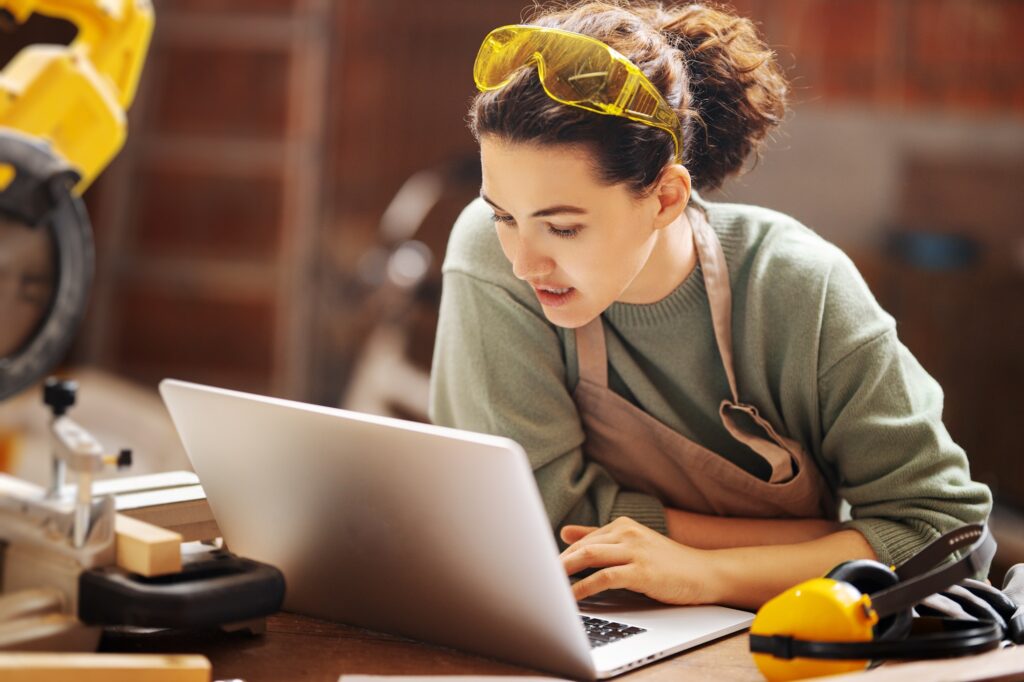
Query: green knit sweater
[{"x": 813, "y": 351}]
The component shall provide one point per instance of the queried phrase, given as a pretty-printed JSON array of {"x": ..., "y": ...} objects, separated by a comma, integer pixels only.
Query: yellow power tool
[
  {"x": 62, "y": 120},
  {"x": 74, "y": 97}
]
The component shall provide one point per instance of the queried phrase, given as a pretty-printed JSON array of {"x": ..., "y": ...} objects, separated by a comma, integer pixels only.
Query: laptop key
[{"x": 601, "y": 632}]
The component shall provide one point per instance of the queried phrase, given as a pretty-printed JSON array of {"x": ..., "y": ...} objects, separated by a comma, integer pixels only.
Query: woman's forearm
[
  {"x": 715, "y": 532},
  {"x": 749, "y": 576}
]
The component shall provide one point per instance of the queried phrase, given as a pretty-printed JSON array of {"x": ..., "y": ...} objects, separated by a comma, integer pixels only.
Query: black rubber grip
[{"x": 221, "y": 588}]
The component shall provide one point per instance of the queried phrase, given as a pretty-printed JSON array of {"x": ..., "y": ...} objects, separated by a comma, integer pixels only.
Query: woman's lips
[{"x": 554, "y": 296}]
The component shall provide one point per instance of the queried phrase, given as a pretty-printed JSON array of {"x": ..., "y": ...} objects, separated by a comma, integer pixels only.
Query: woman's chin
[{"x": 567, "y": 318}]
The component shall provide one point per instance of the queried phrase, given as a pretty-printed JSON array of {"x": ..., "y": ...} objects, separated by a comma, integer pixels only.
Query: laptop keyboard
[{"x": 601, "y": 632}]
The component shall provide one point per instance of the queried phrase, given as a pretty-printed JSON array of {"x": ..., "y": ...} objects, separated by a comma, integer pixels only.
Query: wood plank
[
  {"x": 184, "y": 511},
  {"x": 56, "y": 667}
]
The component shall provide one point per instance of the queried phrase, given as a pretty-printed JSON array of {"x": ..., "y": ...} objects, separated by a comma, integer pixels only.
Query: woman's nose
[{"x": 529, "y": 263}]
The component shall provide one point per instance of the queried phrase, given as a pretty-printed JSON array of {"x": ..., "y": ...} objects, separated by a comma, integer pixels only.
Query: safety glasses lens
[
  {"x": 502, "y": 52},
  {"x": 572, "y": 72},
  {"x": 588, "y": 75}
]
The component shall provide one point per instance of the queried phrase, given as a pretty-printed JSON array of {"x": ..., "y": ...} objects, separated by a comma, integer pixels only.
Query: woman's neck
[{"x": 672, "y": 259}]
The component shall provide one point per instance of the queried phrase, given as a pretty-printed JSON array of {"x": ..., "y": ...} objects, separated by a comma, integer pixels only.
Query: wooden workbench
[{"x": 299, "y": 649}]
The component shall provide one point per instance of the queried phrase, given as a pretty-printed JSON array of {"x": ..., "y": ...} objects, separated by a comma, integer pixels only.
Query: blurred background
[{"x": 277, "y": 219}]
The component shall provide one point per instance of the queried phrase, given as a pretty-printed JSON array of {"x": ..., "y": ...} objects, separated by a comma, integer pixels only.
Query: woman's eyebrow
[
  {"x": 488, "y": 200},
  {"x": 544, "y": 212}
]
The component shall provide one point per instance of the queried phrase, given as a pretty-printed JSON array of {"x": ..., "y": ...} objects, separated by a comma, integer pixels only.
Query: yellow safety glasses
[{"x": 576, "y": 70}]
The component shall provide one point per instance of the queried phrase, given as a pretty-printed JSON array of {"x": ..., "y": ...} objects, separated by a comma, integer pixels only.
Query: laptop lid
[{"x": 419, "y": 530}]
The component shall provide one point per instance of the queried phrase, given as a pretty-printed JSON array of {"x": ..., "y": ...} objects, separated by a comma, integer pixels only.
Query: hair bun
[{"x": 736, "y": 88}]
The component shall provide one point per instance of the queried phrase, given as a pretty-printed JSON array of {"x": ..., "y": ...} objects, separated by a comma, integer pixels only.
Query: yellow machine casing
[{"x": 74, "y": 97}]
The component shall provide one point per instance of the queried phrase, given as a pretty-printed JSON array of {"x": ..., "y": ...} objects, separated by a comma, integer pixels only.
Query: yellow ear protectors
[{"x": 861, "y": 611}]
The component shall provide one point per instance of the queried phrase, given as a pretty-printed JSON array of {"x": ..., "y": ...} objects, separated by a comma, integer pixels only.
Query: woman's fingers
[
  {"x": 619, "y": 530},
  {"x": 571, "y": 534},
  {"x": 595, "y": 556},
  {"x": 603, "y": 535},
  {"x": 625, "y": 554},
  {"x": 613, "y": 578}
]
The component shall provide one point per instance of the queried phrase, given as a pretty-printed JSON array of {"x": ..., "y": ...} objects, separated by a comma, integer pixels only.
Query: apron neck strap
[
  {"x": 716, "y": 281},
  {"x": 591, "y": 353},
  {"x": 590, "y": 344},
  {"x": 768, "y": 443}
]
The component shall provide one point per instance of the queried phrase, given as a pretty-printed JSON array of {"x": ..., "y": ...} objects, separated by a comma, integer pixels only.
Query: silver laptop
[{"x": 432, "y": 533}]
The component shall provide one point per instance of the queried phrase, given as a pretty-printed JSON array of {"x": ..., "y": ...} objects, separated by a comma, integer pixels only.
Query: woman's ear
[{"x": 672, "y": 193}]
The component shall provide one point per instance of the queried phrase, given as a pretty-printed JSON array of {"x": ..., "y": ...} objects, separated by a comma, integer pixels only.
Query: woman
[{"x": 698, "y": 385}]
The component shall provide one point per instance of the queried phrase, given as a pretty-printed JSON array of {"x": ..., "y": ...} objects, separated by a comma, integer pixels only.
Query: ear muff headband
[{"x": 915, "y": 584}]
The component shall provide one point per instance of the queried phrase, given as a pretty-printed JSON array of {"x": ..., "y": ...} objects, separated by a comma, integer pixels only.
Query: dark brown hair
[{"x": 708, "y": 64}]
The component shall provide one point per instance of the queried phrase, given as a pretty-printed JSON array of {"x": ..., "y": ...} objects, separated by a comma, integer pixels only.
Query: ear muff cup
[
  {"x": 866, "y": 575},
  {"x": 870, "y": 577}
]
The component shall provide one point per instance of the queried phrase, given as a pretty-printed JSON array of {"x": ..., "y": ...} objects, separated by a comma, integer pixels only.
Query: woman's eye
[
  {"x": 564, "y": 234},
  {"x": 509, "y": 221}
]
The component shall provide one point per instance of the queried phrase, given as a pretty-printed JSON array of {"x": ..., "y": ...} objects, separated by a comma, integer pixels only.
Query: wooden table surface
[{"x": 300, "y": 648}]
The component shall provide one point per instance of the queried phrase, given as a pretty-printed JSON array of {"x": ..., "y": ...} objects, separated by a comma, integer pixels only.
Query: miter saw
[{"x": 62, "y": 119}]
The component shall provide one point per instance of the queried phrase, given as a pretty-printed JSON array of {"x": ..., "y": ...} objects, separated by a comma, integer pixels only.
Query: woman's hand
[{"x": 632, "y": 556}]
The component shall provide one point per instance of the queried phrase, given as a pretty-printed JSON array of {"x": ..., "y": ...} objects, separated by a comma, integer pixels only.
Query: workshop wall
[{"x": 270, "y": 137}]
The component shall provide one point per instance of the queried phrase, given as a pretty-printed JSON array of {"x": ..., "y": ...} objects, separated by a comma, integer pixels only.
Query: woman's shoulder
[
  {"x": 787, "y": 271},
  {"x": 773, "y": 247}
]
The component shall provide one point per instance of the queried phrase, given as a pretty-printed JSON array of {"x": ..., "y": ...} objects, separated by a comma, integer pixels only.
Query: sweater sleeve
[
  {"x": 498, "y": 368},
  {"x": 905, "y": 478}
]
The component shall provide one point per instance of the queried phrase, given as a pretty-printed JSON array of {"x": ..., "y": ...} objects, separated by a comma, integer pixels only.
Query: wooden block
[
  {"x": 146, "y": 549},
  {"x": 57, "y": 667}
]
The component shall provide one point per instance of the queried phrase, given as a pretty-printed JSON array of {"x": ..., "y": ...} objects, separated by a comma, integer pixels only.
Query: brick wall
[{"x": 912, "y": 55}]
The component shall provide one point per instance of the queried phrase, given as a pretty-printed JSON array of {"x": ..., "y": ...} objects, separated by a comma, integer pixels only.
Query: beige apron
[{"x": 643, "y": 454}]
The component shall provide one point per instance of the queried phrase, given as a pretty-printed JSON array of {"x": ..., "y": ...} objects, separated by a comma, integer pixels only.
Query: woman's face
[{"x": 580, "y": 244}]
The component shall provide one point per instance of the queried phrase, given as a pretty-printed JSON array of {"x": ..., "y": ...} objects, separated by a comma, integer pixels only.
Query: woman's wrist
[
  {"x": 719, "y": 584},
  {"x": 747, "y": 577}
]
